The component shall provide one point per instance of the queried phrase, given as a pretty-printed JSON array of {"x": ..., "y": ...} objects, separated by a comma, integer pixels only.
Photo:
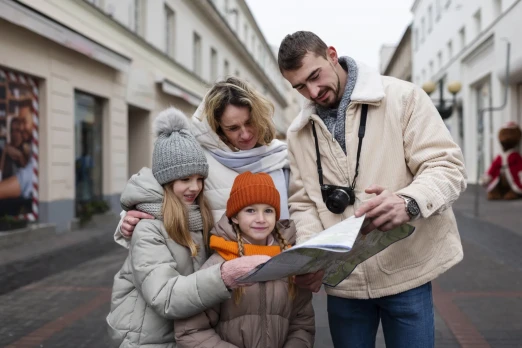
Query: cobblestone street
[{"x": 478, "y": 303}]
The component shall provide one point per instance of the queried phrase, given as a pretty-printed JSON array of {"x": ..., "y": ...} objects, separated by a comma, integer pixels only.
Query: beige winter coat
[
  {"x": 265, "y": 317},
  {"x": 159, "y": 280},
  {"x": 408, "y": 150}
]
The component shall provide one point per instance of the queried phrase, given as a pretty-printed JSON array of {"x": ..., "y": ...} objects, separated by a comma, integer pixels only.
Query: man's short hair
[{"x": 295, "y": 46}]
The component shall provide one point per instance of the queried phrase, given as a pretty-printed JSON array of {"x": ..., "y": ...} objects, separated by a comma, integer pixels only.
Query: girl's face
[
  {"x": 188, "y": 189},
  {"x": 256, "y": 221},
  {"x": 236, "y": 125}
]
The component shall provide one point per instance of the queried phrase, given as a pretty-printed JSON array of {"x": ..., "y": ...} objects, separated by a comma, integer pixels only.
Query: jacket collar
[{"x": 368, "y": 90}]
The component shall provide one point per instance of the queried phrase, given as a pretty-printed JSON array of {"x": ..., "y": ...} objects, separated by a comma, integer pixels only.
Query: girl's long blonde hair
[
  {"x": 175, "y": 219},
  {"x": 283, "y": 243},
  {"x": 239, "y": 93}
]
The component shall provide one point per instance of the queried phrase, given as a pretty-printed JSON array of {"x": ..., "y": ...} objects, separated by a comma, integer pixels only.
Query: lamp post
[{"x": 453, "y": 87}]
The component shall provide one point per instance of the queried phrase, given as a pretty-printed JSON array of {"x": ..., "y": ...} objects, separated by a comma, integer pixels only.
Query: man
[{"x": 409, "y": 171}]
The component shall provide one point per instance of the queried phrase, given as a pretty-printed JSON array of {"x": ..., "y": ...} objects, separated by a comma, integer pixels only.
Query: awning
[
  {"x": 171, "y": 88},
  {"x": 23, "y": 16}
]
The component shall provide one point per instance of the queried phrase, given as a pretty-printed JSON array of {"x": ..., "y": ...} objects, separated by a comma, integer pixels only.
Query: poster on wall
[{"x": 18, "y": 146}]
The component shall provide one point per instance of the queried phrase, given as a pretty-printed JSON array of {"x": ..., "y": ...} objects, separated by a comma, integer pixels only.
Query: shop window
[
  {"x": 19, "y": 112},
  {"x": 88, "y": 147}
]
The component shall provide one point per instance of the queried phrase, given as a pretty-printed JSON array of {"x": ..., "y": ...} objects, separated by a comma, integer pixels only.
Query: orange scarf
[{"x": 230, "y": 250}]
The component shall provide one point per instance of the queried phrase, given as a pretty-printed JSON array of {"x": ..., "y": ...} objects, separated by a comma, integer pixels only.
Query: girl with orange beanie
[{"x": 271, "y": 314}]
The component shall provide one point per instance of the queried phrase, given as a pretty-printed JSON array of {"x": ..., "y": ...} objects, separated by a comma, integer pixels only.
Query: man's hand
[
  {"x": 130, "y": 220},
  {"x": 385, "y": 212},
  {"x": 310, "y": 281}
]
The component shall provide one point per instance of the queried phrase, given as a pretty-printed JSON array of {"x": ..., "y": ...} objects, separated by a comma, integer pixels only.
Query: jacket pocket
[
  {"x": 120, "y": 319},
  {"x": 411, "y": 252}
]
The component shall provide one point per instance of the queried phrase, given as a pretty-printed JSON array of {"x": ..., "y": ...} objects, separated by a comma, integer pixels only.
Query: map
[{"x": 337, "y": 250}]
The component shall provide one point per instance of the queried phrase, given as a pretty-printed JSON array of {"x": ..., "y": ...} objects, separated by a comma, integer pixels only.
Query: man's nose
[{"x": 314, "y": 91}]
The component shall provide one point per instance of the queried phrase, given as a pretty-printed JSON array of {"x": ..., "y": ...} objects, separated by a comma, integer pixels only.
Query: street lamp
[{"x": 453, "y": 87}]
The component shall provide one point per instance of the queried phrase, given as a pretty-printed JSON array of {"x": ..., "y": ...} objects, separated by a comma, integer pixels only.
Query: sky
[{"x": 357, "y": 28}]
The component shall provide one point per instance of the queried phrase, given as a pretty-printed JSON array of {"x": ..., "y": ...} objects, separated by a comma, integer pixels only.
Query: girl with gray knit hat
[{"x": 161, "y": 279}]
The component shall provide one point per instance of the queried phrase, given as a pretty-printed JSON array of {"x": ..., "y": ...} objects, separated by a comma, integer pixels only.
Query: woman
[{"x": 234, "y": 126}]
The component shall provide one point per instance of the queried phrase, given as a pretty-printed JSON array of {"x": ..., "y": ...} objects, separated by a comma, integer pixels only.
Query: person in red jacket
[{"x": 504, "y": 177}]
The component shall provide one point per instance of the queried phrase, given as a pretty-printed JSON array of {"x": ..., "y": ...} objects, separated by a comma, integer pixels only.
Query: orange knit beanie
[{"x": 250, "y": 189}]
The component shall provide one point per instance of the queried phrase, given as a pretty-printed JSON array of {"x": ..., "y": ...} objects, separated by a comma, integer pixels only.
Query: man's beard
[{"x": 337, "y": 100}]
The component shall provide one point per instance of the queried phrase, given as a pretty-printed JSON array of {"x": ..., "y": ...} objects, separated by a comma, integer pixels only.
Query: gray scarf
[
  {"x": 335, "y": 119},
  {"x": 195, "y": 221}
]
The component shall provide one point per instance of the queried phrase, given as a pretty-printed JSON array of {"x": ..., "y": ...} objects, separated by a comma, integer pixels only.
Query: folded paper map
[{"x": 337, "y": 250}]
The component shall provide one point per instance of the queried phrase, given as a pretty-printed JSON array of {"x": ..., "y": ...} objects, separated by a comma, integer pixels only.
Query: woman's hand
[
  {"x": 233, "y": 269},
  {"x": 130, "y": 220}
]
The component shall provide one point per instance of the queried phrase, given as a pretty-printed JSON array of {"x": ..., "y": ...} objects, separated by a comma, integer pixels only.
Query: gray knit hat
[{"x": 177, "y": 154}]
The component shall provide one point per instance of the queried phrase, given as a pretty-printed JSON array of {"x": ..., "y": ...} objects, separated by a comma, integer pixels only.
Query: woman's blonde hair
[
  {"x": 237, "y": 92},
  {"x": 175, "y": 219},
  {"x": 283, "y": 244}
]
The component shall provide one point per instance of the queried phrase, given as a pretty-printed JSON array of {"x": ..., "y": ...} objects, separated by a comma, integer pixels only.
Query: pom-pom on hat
[
  {"x": 177, "y": 154},
  {"x": 251, "y": 189}
]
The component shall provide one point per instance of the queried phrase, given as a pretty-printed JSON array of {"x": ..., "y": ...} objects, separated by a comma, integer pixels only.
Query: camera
[{"x": 337, "y": 198}]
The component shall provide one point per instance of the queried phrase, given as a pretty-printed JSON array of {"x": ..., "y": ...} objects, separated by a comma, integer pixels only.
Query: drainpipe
[{"x": 480, "y": 128}]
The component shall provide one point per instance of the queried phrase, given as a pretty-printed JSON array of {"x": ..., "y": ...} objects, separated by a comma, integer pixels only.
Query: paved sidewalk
[{"x": 41, "y": 253}]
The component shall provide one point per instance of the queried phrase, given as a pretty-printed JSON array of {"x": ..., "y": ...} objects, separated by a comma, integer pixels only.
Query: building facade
[
  {"x": 399, "y": 63},
  {"x": 466, "y": 41},
  {"x": 81, "y": 81}
]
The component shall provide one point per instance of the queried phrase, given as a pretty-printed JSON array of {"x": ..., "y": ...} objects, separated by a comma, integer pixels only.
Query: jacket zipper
[{"x": 263, "y": 304}]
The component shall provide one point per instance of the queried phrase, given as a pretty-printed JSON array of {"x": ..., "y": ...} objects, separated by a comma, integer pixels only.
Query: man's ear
[{"x": 331, "y": 54}]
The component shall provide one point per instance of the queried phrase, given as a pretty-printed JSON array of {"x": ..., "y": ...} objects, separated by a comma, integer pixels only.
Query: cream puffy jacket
[
  {"x": 265, "y": 317},
  {"x": 408, "y": 150}
]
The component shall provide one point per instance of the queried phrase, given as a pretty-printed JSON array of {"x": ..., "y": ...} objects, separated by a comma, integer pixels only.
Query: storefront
[{"x": 63, "y": 120}]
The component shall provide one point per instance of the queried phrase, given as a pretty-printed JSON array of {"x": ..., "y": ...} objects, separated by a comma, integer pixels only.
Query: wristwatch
[{"x": 412, "y": 208}]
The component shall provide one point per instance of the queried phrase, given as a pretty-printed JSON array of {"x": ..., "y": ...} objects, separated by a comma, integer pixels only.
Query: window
[
  {"x": 170, "y": 32},
  {"x": 253, "y": 47},
  {"x": 497, "y": 7},
  {"x": 226, "y": 68},
  {"x": 237, "y": 73},
  {"x": 431, "y": 68},
  {"x": 213, "y": 65},
  {"x": 450, "y": 49},
  {"x": 139, "y": 17},
  {"x": 430, "y": 19},
  {"x": 196, "y": 54},
  {"x": 438, "y": 10},
  {"x": 439, "y": 59},
  {"x": 448, "y": 4},
  {"x": 88, "y": 146},
  {"x": 462, "y": 36},
  {"x": 245, "y": 32},
  {"x": 477, "y": 19}
]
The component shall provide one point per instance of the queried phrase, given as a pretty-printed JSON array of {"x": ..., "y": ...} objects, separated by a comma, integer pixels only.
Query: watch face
[{"x": 413, "y": 208}]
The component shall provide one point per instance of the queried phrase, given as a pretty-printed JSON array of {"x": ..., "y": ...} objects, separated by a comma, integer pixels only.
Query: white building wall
[{"x": 464, "y": 42}]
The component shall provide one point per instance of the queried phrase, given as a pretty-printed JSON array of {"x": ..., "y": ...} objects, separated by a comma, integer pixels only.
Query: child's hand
[{"x": 233, "y": 269}]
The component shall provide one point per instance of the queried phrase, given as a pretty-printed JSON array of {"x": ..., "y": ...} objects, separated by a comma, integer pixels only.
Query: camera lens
[{"x": 338, "y": 201}]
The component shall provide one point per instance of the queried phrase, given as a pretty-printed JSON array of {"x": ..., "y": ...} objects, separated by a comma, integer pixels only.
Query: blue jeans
[{"x": 407, "y": 320}]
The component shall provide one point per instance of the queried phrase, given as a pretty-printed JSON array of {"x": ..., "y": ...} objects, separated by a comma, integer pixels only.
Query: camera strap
[{"x": 362, "y": 130}]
